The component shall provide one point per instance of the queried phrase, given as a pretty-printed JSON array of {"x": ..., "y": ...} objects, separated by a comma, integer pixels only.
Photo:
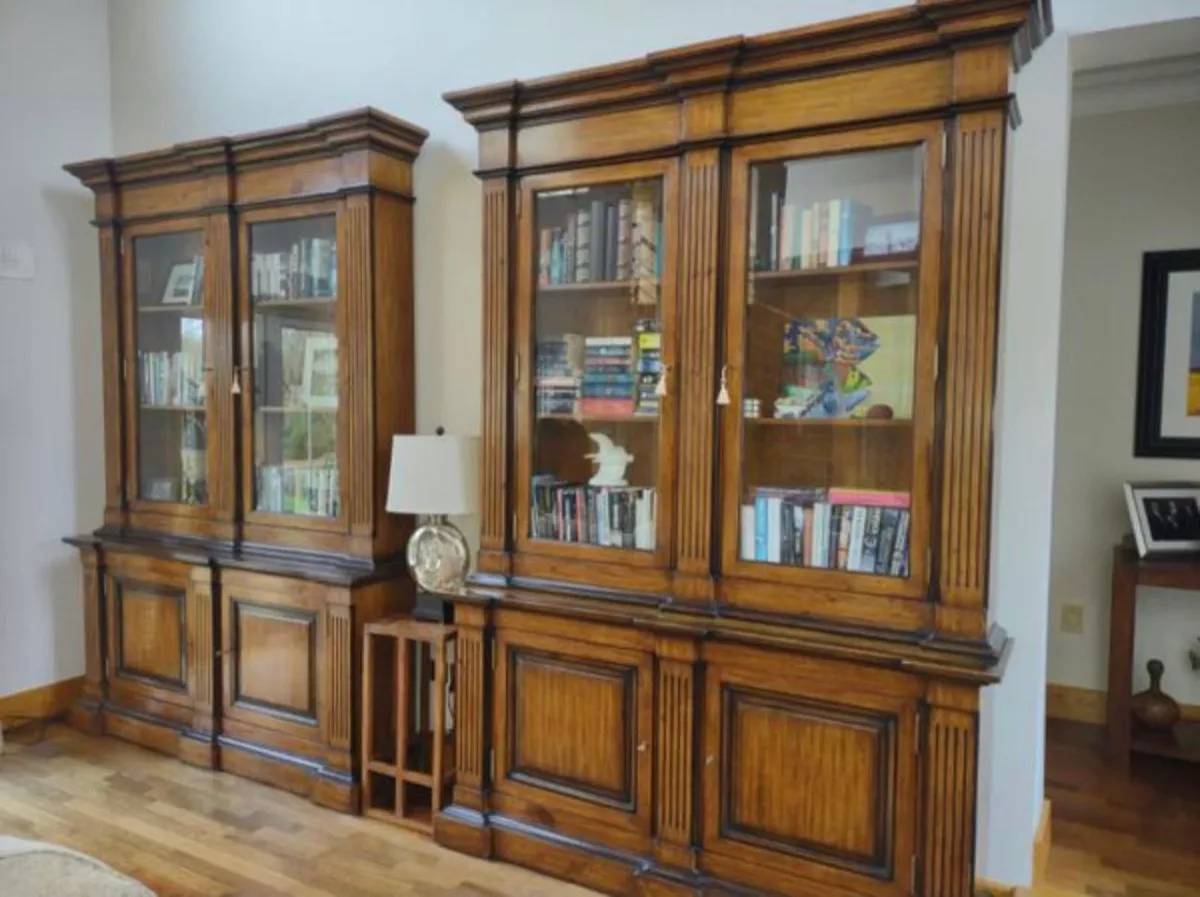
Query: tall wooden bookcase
[
  {"x": 257, "y": 360},
  {"x": 755, "y": 281}
]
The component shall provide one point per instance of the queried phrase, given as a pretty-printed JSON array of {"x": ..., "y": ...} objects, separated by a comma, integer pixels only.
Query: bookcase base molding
[
  {"x": 240, "y": 662},
  {"x": 642, "y": 750}
]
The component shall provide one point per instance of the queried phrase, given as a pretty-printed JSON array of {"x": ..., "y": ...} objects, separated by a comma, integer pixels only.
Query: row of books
[
  {"x": 310, "y": 491},
  {"x": 820, "y": 235},
  {"x": 307, "y": 270},
  {"x": 600, "y": 375},
  {"x": 604, "y": 241},
  {"x": 171, "y": 378},
  {"x": 858, "y": 530},
  {"x": 612, "y": 516}
]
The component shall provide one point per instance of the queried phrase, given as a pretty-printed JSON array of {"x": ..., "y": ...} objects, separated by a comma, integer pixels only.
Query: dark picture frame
[{"x": 1149, "y": 441}]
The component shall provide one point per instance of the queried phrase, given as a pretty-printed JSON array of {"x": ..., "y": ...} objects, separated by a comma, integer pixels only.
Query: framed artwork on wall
[{"x": 1167, "y": 423}]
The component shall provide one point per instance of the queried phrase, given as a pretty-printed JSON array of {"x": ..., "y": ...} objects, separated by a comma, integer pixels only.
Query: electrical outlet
[{"x": 1072, "y": 619}]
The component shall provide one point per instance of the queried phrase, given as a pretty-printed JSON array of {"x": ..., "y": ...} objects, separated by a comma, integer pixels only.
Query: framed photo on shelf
[
  {"x": 320, "y": 384},
  {"x": 182, "y": 284},
  {"x": 1167, "y": 423},
  {"x": 1165, "y": 517}
]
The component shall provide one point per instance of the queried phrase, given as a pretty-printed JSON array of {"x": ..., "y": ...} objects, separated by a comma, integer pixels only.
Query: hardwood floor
[
  {"x": 185, "y": 831},
  {"x": 1118, "y": 837}
]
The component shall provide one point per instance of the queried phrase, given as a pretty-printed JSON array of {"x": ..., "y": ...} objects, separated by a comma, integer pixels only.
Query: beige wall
[{"x": 1133, "y": 186}]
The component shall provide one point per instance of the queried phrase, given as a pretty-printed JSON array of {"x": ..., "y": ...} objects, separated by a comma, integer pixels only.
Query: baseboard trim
[
  {"x": 1089, "y": 705},
  {"x": 43, "y": 702},
  {"x": 985, "y": 888},
  {"x": 1041, "y": 846}
]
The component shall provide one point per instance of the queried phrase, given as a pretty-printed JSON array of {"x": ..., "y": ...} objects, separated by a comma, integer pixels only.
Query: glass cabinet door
[
  {"x": 831, "y": 401},
  {"x": 293, "y": 291},
  {"x": 596, "y": 395},
  {"x": 171, "y": 423}
]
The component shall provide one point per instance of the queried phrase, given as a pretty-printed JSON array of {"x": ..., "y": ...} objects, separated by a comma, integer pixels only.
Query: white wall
[
  {"x": 1013, "y": 715},
  {"x": 54, "y": 108},
  {"x": 1134, "y": 186}
]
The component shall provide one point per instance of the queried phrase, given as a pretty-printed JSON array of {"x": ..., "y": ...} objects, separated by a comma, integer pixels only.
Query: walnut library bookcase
[
  {"x": 729, "y": 626},
  {"x": 257, "y": 358}
]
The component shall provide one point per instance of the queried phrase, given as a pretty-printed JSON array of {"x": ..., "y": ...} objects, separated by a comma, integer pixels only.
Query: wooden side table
[
  {"x": 1129, "y": 572},
  {"x": 407, "y": 728}
]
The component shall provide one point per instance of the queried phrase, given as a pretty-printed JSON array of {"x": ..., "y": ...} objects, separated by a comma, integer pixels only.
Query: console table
[{"x": 1129, "y": 572}]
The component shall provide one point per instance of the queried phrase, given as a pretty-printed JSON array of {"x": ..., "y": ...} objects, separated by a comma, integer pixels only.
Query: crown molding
[{"x": 1139, "y": 85}]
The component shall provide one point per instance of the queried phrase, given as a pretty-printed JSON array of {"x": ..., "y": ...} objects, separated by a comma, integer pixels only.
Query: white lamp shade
[{"x": 434, "y": 475}]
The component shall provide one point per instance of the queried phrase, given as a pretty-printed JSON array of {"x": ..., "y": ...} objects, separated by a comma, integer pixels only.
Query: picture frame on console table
[
  {"x": 1168, "y": 395},
  {"x": 1165, "y": 517}
]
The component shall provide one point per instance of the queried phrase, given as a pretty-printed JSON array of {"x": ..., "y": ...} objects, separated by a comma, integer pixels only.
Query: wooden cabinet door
[
  {"x": 594, "y": 351},
  {"x": 810, "y": 773},
  {"x": 177, "y": 362},
  {"x": 573, "y": 724},
  {"x": 832, "y": 367},
  {"x": 148, "y": 637},
  {"x": 272, "y": 638}
]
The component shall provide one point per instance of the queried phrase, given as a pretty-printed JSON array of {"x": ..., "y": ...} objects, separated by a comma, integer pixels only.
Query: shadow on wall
[{"x": 70, "y": 212}]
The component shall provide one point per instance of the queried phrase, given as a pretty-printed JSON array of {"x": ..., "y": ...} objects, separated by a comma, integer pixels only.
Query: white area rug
[{"x": 34, "y": 869}]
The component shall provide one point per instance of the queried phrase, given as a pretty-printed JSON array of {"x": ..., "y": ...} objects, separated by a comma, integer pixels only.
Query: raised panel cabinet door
[
  {"x": 572, "y": 736},
  {"x": 272, "y": 630},
  {"x": 809, "y": 773},
  {"x": 831, "y": 365},
  {"x": 594, "y": 372},
  {"x": 148, "y": 644}
]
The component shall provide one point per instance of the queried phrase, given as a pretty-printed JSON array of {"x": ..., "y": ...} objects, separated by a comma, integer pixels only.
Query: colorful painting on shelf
[{"x": 837, "y": 368}]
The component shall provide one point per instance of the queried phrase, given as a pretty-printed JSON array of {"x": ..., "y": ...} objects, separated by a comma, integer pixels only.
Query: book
[
  {"x": 624, "y": 238},
  {"x": 845, "y": 529},
  {"x": 870, "y": 547},
  {"x": 833, "y": 231},
  {"x": 611, "y": 238},
  {"x": 773, "y": 234},
  {"x": 787, "y": 237},
  {"x": 747, "y": 533},
  {"x": 890, "y": 517},
  {"x": 858, "y": 524},
  {"x": 870, "y": 497},
  {"x": 899, "y": 559},
  {"x": 556, "y": 256},
  {"x": 583, "y": 245},
  {"x": 599, "y": 220},
  {"x": 644, "y": 235}
]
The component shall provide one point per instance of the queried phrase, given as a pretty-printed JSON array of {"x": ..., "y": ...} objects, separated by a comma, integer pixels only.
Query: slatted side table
[{"x": 408, "y": 720}]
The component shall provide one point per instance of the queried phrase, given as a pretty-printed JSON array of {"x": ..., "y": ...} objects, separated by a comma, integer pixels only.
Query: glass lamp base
[{"x": 438, "y": 556}]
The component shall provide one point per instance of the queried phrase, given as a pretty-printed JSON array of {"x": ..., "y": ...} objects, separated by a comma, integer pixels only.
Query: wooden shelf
[
  {"x": 296, "y": 409},
  {"x": 1181, "y": 743},
  {"x": 383, "y": 769},
  {"x": 603, "y": 418},
  {"x": 170, "y": 309},
  {"x": 309, "y": 303},
  {"x": 192, "y": 409},
  {"x": 882, "y": 263},
  {"x": 863, "y": 422},
  {"x": 612, "y": 287}
]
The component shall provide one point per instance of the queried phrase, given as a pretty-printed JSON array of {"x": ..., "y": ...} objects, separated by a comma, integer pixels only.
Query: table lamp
[{"x": 435, "y": 476}]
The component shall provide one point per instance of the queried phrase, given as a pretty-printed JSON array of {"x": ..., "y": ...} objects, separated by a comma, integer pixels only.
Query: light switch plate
[{"x": 16, "y": 261}]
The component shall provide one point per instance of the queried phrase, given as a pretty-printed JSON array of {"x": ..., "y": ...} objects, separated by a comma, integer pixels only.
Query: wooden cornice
[
  {"x": 365, "y": 128},
  {"x": 926, "y": 27}
]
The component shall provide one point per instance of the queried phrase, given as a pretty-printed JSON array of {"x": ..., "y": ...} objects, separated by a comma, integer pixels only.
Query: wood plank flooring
[
  {"x": 1115, "y": 836},
  {"x": 184, "y": 831}
]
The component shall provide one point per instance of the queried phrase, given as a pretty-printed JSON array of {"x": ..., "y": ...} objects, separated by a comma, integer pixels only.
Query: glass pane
[
  {"x": 598, "y": 363},
  {"x": 169, "y": 332},
  {"x": 829, "y": 362},
  {"x": 293, "y": 289}
]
